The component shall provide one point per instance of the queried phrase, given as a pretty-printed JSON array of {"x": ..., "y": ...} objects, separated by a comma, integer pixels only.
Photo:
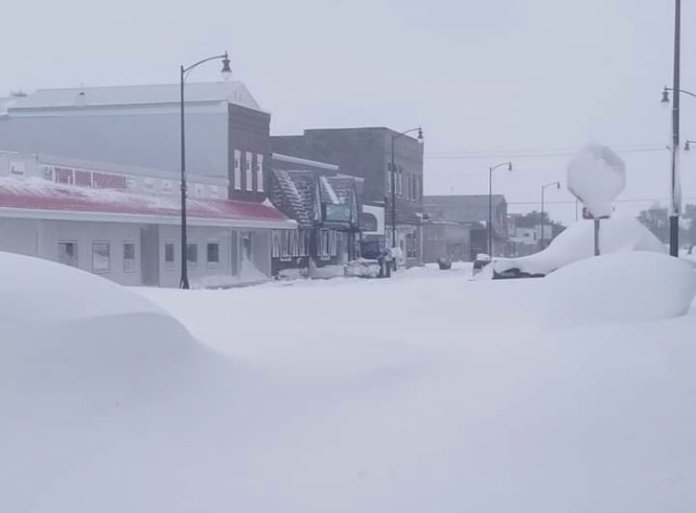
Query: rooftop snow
[{"x": 233, "y": 92}]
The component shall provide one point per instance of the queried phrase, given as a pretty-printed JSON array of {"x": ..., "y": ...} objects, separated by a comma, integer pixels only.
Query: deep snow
[
  {"x": 427, "y": 392},
  {"x": 618, "y": 234}
]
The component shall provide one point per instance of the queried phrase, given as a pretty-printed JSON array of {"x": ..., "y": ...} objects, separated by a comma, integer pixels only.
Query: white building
[{"x": 124, "y": 223}]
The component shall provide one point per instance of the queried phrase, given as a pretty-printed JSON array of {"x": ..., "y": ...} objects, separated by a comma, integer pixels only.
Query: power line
[
  {"x": 572, "y": 202},
  {"x": 532, "y": 154}
]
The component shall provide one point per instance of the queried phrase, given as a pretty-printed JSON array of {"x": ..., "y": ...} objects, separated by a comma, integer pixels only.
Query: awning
[{"x": 42, "y": 199}]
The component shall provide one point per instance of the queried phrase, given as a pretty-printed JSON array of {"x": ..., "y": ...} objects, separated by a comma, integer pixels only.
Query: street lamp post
[
  {"x": 490, "y": 203},
  {"x": 675, "y": 193},
  {"x": 226, "y": 71},
  {"x": 393, "y": 175},
  {"x": 543, "y": 224}
]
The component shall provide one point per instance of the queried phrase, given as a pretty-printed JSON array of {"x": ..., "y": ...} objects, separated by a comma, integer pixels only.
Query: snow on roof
[
  {"x": 233, "y": 92},
  {"x": 42, "y": 196},
  {"x": 303, "y": 163}
]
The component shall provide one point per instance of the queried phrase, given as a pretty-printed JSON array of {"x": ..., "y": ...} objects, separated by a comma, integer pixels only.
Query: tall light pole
[
  {"x": 394, "y": 137},
  {"x": 490, "y": 203},
  {"x": 226, "y": 72},
  {"x": 675, "y": 193},
  {"x": 543, "y": 188}
]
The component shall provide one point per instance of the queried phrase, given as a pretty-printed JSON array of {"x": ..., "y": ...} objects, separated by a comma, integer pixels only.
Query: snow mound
[
  {"x": 616, "y": 235},
  {"x": 63, "y": 327},
  {"x": 620, "y": 288}
]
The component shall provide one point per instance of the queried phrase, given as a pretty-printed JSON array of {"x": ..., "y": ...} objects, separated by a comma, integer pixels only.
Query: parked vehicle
[{"x": 481, "y": 261}]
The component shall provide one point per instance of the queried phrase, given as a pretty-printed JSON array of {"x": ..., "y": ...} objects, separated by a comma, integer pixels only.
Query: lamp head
[
  {"x": 665, "y": 95},
  {"x": 420, "y": 136},
  {"x": 226, "y": 70}
]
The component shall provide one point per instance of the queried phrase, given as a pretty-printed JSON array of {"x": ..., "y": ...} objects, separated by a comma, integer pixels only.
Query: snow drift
[
  {"x": 617, "y": 234},
  {"x": 637, "y": 286},
  {"x": 62, "y": 325}
]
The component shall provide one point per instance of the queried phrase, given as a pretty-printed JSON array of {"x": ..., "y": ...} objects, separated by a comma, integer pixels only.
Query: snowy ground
[
  {"x": 425, "y": 393},
  {"x": 430, "y": 392}
]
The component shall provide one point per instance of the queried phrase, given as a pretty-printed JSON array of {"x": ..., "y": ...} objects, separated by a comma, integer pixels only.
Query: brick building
[{"x": 366, "y": 153}]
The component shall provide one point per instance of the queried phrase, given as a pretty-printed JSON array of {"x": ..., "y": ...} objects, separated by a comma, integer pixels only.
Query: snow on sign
[{"x": 596, "y": 176}]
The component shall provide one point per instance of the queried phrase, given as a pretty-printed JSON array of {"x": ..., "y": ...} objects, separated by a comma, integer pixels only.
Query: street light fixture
[
  {"x": 393, "y": 176},
  {"x": 490, "y": 203},
  {"x": 687, "y": 145},
  {"x": 543, "y": 223},
  {"x": 226, "y": 72}
]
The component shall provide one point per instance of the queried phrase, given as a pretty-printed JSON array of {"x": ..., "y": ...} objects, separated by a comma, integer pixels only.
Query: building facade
[
  {"x": 472, "y": 212},
  {"x": 366, "y": 153},
  {"x": 326, "y": 206},
  {"x": 126, "y": 227},
  {"x": 227, "y": 133}
]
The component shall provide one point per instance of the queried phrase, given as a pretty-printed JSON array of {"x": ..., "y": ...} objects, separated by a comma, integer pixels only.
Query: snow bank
[
  {"x": 617, "y": 234},
  {"x": 325, "y": 272},
  {"x": 619, "y": 288},
  {"x": 62, "y": 325}
]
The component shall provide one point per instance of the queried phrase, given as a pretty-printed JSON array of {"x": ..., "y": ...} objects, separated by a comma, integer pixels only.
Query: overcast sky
[{"x": 488, "y": 81}]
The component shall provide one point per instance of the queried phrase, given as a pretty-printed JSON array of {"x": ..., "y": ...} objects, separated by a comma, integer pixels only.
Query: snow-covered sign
[{"x": 596, "y": 176}]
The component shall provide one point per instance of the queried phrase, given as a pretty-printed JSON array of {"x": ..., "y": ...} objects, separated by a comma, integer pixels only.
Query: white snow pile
[
  {"x": 61, "y": 325},
  {"x": 617, "y": 234},
  {"x": 620, "y": 288}
]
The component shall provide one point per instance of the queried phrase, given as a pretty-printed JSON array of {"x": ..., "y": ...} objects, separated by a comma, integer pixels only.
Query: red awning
[{"x": 35, "y": 194}]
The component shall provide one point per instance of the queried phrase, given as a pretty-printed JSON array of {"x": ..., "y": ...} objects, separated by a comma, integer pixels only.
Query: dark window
[
  {"x": 192, "y": 254},
  {"x": 169, "y": 255},
  {"x": 128, "y": 257},
  {"x": 213, "y": 253},
  {"x": 67, "y": 253}
]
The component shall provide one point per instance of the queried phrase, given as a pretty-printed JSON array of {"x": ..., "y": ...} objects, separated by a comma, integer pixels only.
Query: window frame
[
  {"x": 248, "y": 167},
  {"x": 169, "y": 265},
  {"x": 134, "y": 259},
  {"x": 108, "y": 247},
  {"x": 192, "y": 264},
  {"x": 259, "y": 172},
  {"x": 76, "y": 254},
  {"x": 237, "y": 163},
  {"x": 209, "y": 263}
]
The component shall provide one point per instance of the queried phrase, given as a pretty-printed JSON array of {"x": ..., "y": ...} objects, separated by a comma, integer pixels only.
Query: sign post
[{"x": 596, "y": 176}]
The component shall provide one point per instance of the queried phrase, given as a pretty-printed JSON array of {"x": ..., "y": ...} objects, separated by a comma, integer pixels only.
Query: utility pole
[{"x": 675, "y": 193}]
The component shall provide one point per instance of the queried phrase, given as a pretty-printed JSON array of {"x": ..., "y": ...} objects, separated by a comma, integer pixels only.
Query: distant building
[
  {"x": 446, "y": 239},
  {"x": 470, "y": 212},
  {"x": 366, "y": 153}
]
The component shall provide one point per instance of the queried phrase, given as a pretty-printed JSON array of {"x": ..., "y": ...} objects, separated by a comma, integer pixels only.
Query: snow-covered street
[
  {"x": 427, "y": 392},
  {"x": 434, "y": 393}
]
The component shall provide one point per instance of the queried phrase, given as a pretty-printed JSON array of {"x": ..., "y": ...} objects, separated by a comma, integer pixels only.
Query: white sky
[{"x": 483, "y": 78}]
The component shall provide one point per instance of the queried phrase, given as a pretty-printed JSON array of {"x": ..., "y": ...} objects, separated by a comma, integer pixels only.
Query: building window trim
[
  {"x": 249, "y": 174},
  {"x": 259, "y": 172},
  {"x": 97, "y": 268},
  {"x": 192, "y": 251},
  {"x": 75, "y": 258},
  {"x": 237, "y": 177},
  {"x": 169, "y": 264},
  {"x": 209, "y": 245},
  {"x": 129, "y": 268}
]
